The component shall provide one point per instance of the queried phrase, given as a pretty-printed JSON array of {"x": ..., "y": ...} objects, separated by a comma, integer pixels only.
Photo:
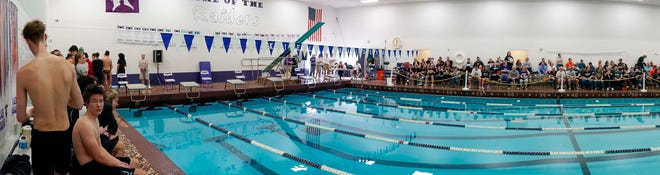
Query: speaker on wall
[{"x": 158, "y": 56}]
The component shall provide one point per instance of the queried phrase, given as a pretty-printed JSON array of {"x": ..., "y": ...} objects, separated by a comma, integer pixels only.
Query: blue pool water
[{"x": 199, "y": 149}]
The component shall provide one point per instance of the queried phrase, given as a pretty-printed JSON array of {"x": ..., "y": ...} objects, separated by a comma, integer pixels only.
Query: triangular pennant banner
[
  {"x": 271, "y": 46},
  {"x": 209, "y": 42},
  {"x": 285, "y": 45},
  {"x": 416, "y": 53},
  {"x": 340, "y": 50},
  {"x": 321, "y": 48},
  {"x": 399, "y": 53},
  {"x": 257, "y": 44},
  {"x": 382, "y": 52},
  {"x": 348, "y": 51},
  {"x": 371, "y": 51},
  {"x": 226, "y": 41},
  {"x": 408, "y": 53},
  {"x": 310, "y": 48},
  {"x": 357, "y": 52},
  {"x": 188, "y": 39},
  {"x": 330, "y": 48},
  {"x": 167, "y": 37},
  {"x": 364, "y": 51},
  {"x": 243, "y": 44},
  {"x": 389, "y": 53},
  {"x": 298, "y": 47}
]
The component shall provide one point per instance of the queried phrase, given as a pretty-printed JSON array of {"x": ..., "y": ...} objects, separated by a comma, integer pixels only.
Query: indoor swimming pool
[{"x": 357, "y": 131}]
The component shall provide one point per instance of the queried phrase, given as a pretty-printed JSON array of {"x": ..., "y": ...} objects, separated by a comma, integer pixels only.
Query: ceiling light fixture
[{"x": 369, "y": 1}]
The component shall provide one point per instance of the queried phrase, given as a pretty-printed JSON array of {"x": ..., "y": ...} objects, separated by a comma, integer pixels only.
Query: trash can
[{"x": 379, "y": 74}]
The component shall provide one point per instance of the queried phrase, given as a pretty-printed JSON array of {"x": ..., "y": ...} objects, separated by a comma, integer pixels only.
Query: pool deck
[{"x": 152, "y": 159}]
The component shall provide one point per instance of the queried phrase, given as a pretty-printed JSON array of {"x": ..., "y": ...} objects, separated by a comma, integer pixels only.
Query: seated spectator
[
  {"x": 570, "y": 63},
  {"x": 90, "y": 156},
  {"x": 514, "y": 76},
  {"x": 107, "y": 121}
]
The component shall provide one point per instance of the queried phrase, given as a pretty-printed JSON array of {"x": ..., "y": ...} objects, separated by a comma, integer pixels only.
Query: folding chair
[
  {"x": 122, "y": 80},
  {"x": 169, "y": 79},
  {"x": 206, "y": 78}
]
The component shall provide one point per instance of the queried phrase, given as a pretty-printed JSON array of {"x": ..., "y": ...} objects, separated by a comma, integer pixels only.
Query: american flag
[{"x": 315, "y": 16}]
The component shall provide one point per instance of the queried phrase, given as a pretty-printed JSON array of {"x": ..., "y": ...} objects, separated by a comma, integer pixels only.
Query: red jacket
[{"x": 90, "y": 68}]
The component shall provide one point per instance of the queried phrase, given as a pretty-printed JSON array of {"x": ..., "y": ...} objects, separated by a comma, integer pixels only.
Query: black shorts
[
  {"x": 51, "y": 152},
  {"x": 94, "y": 167},
  {"x": 109, "y": 144}
]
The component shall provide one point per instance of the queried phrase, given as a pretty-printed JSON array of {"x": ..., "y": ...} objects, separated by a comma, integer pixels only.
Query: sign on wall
[
  {"x": 8, "y": 59},
  {"x": 122, "y": 6}
]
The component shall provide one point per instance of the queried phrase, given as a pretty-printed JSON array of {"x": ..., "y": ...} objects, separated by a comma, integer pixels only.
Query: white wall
[
  {"x": 85, "y": 23},
  {"x": 579, "y": 29}
]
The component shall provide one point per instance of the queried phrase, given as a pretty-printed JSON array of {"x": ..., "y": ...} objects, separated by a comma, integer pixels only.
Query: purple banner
[
  {"x": 122, "y": 6},
  {"x": 257, "y": 44},
  {"x": 271, "y": 46},
  {"x": 209, "y": 42},
  {"x": 310, "y": 49},
  {"x": 243, "y": 44},
  {"x": 285, "y": 45},
  {"x": 167, "y": 37},
  {"x": 188, "y": 39},
  {"x": 226, "y": 41},
  {"x": 298, "y": 48}
]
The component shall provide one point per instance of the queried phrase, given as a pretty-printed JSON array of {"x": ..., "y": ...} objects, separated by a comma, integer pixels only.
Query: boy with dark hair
[{"x": 90, "y": 156}]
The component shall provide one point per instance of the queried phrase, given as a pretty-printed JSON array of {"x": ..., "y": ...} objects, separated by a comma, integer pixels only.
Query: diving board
[
  {"x": 136, "y": 87},
  {"x": 189, "y": 86}
]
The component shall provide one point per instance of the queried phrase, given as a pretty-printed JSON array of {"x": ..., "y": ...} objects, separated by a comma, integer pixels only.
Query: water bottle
[{"x": 22, "y": 146}]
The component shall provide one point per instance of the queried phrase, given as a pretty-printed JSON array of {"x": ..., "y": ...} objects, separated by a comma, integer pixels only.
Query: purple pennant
[
  {"x": 310, "y": 49},
  {"x": 209, "y": 42},
  {"x": 167, "y": 37},
  {"x": 298, "y": 48},
  {"x": 271, "y": 46},
  {"x": 226, "y": 41},
  {"x": 330, "y": 48},
  {"x": 321, "y": 49},
  {"x": 348, "y": 51},
  {"x": 400, "y": 53},
  {"x": 243, "y": 44},
  {"x": 257, "y": 44},
  {"x": 389, "y": 53},
  {"x": 340, "y": 49},
  {"x": 188, "y": 39}
]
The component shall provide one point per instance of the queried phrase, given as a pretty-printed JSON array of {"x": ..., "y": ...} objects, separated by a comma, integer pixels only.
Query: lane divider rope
[
  {"x": 499, "y": 104},
  {"x": 449, "y": 148},
  {"x": 371, "y": 115},
  {"x": 545, "y": 116},
  {"x": 261, "y": 145}
]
